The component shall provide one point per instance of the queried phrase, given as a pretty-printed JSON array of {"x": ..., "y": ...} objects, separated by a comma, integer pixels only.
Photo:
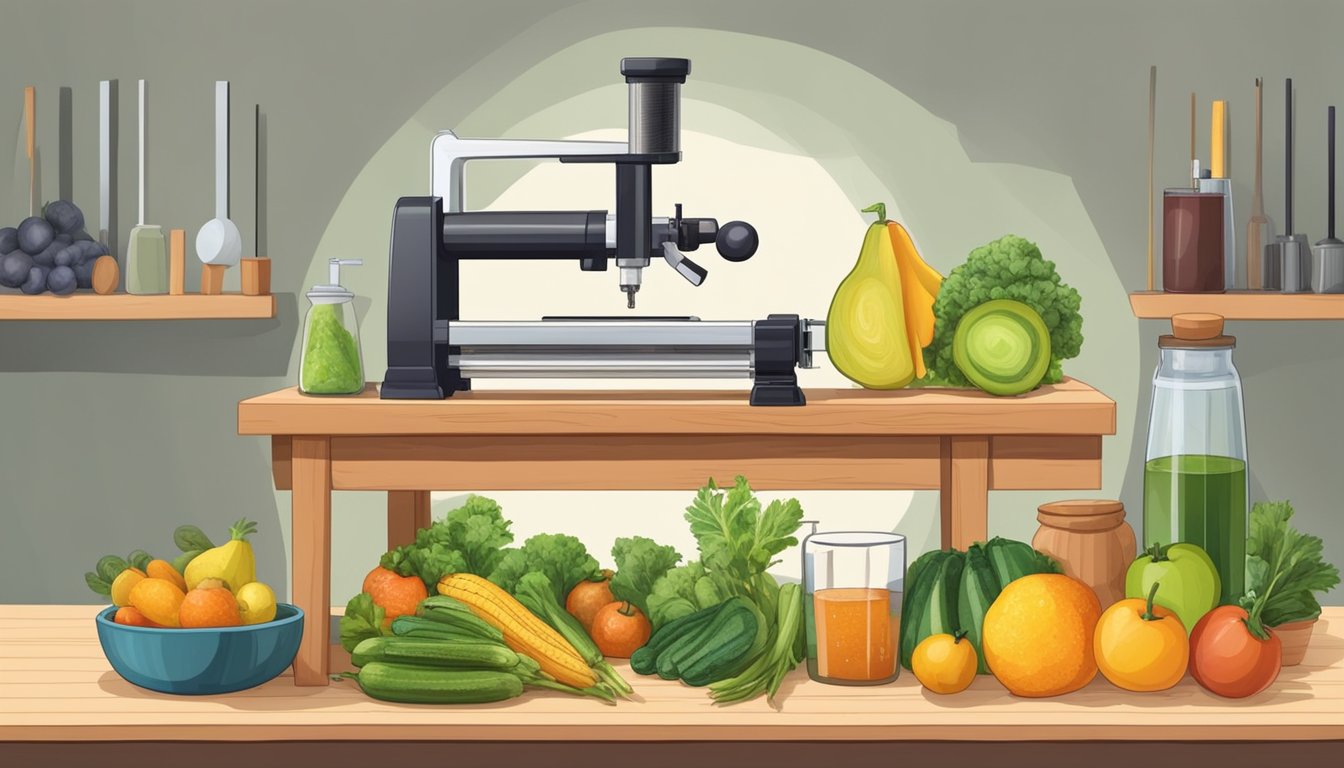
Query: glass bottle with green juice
[{"x": 1194, "y": 480}]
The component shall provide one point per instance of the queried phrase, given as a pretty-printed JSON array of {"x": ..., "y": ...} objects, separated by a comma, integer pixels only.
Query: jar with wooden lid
[{"x": 1091, "y": 541}]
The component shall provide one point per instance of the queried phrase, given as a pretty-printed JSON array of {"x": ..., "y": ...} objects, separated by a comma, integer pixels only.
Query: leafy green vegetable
[
  {"x": 362, "y": 620},
  {"x": 189, "y": 537},
  {"x": 563, "y": 559},
  {"x": 738, "y": 541},
  {"x": 675, "y": 594},
  {"x": 1008, "y": 268},
  {"x": 639, "y": 563},
  {"x": 96, "y": 583},
  {"x": 109, "y": 566},
  {"x": 140, "y": 559},
  {"x": 1284, "y": 567},
  {"x": 467, "y": 540}
]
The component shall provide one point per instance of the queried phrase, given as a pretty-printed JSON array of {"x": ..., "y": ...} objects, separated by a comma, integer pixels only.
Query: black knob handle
[{"x": 737, "y": 241}]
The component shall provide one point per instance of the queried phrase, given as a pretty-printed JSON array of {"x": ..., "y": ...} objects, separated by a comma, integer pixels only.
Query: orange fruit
[
  {"x": 213, "y": 607},
  {"x": 158, "y": 599},
  {"x": 162, "y": 569},
  {"x": 132, "y": 618},
  {"x": 1038, "y": 635}
]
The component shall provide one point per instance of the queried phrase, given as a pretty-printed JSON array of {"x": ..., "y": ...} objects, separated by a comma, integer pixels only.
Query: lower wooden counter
[{"x": 56, "y": 688}]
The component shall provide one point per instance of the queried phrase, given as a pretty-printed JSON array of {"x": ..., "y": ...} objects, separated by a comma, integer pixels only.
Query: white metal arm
[{"x": 448, "y": 154}]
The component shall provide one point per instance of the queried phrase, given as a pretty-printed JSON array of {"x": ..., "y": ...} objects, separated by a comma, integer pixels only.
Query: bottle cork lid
[{"x": 1193, "y": 330}]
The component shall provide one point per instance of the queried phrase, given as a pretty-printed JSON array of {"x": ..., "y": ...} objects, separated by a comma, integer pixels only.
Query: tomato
[
  {"x": 1227, "y": 659},
  {"x": 943, "y": 663},
  {"x": 1141, "y": 646},
  {"x": 620, "y": 629},
  {"x": 587, "y": 598}
]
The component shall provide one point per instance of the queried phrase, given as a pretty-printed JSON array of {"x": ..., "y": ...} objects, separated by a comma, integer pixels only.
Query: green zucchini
[
  {"x": 738, "y": 641},
  {"x": 918, "y": 587},
  {"x": 644, "y": 660},
  {"x": 930, "y": 605},
  {"x": 434, "y": 653},
  {"x": 413, "y": 684},
  {"x": 979, "y": 587},
  {"x": 1011, "y": 560}
]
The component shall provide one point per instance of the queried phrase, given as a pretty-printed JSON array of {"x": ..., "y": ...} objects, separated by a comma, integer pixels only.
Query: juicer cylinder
[{"x": 655, "y": 103}]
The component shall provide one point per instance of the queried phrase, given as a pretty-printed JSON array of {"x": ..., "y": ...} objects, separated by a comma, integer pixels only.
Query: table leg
[
  {"x": 407, "y": 512},
  {"x": 310, "y": 533},
  {"x": 965, "y": 491}
]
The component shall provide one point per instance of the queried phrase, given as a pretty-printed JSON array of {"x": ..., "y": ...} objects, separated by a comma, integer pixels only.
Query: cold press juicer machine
[{"x": 432, "y": 353}]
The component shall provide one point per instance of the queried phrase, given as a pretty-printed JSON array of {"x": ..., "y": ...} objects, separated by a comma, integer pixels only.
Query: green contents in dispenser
[
  {"x": 331, "y": 363},
  {"x": 1199, "y": 499}
]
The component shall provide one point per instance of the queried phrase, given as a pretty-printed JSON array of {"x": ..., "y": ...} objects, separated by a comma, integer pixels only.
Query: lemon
[
  {"x": 256, "y": 602},
  {"x": 1038, "y": 635}
]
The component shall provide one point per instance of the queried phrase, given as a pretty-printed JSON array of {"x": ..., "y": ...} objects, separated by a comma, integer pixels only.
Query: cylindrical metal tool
[
  {"x": 655, "y": 103},
  {"x": 614, "y": 348},
  {"x": 1327, "y": 274},
  {"x": 1294, "y": 251}
]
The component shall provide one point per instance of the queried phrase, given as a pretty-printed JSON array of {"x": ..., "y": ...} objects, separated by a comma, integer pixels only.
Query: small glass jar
[
  {"x": 853, "y": 584},
  {"x": 331, "y": 362}
]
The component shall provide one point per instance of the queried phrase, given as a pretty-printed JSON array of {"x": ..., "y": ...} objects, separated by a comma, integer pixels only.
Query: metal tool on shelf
[
  {"x": 1327, "y": 273},
  {"x": 1290, "y": 253},
  {"x": 433, "y": 353}
]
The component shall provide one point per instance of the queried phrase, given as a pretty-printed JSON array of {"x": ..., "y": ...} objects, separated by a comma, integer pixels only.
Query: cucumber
[
  {"x": 450, "y": 612},
  {"x": 412, "y": 684},
  {"x": 415, "y": 626},
  {"x": 434, "y": 653},
  {"x": 644, "y": 661},
  {"x": 979, "y": 587}
]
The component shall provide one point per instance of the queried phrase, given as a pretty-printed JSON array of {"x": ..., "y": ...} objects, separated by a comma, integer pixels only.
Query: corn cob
[{"x": 523, "y": 631}]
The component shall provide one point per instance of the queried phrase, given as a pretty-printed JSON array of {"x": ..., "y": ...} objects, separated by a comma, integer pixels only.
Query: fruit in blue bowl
[{"x": 208, "y": 660}]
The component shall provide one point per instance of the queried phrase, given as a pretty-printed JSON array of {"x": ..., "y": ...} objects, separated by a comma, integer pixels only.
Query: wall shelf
[
  {"x": 1239, "y": 305},
  {"x": 125, "y": 306}
]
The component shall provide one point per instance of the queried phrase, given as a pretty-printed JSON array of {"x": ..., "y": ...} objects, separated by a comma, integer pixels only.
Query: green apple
[{"x": 1188, "y": 582}]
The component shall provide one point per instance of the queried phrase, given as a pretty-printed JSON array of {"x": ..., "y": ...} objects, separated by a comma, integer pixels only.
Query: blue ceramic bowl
[{"x": 202, "y": 661}]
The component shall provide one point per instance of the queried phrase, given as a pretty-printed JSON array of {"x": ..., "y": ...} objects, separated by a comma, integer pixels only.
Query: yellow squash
[{"x": 231, "y": 562}]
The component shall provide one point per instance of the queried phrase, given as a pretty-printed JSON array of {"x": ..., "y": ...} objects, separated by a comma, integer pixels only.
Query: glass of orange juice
[{"x": 853, "y": 583}]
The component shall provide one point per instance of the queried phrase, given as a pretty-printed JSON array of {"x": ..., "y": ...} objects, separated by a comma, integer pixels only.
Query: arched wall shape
[{"x": 787, "y": 137}]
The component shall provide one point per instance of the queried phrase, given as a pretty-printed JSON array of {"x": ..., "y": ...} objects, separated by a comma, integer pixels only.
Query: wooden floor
[{"x": 55, "y": 686}]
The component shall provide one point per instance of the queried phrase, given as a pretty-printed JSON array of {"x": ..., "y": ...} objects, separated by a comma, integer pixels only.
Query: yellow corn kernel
[{"x": 523, "y": 632}]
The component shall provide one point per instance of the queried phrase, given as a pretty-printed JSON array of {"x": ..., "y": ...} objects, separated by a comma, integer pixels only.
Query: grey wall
[{"x": 111, "y": 434}]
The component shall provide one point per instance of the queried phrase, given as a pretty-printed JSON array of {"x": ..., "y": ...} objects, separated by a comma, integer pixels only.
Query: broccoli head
[{"x": 1008, "y": 268}]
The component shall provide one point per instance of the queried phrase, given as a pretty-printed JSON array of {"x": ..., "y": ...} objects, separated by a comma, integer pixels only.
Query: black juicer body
[{"x": 428, "y": 245}]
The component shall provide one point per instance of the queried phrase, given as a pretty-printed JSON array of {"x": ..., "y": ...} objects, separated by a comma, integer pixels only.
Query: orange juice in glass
[{"x": 853, "y": 582}]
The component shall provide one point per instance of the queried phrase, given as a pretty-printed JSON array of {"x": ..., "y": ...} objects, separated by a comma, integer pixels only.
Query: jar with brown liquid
[{"x": 1091, "y": 541}]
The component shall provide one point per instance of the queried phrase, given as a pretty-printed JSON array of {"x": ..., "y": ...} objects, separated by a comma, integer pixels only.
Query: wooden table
[
  {"x": 61, "y": 704},
  {"x": 962, "y": 442}
]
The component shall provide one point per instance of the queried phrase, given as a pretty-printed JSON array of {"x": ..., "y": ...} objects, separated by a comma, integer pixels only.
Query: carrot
[{"x": 158, "y": 599}]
